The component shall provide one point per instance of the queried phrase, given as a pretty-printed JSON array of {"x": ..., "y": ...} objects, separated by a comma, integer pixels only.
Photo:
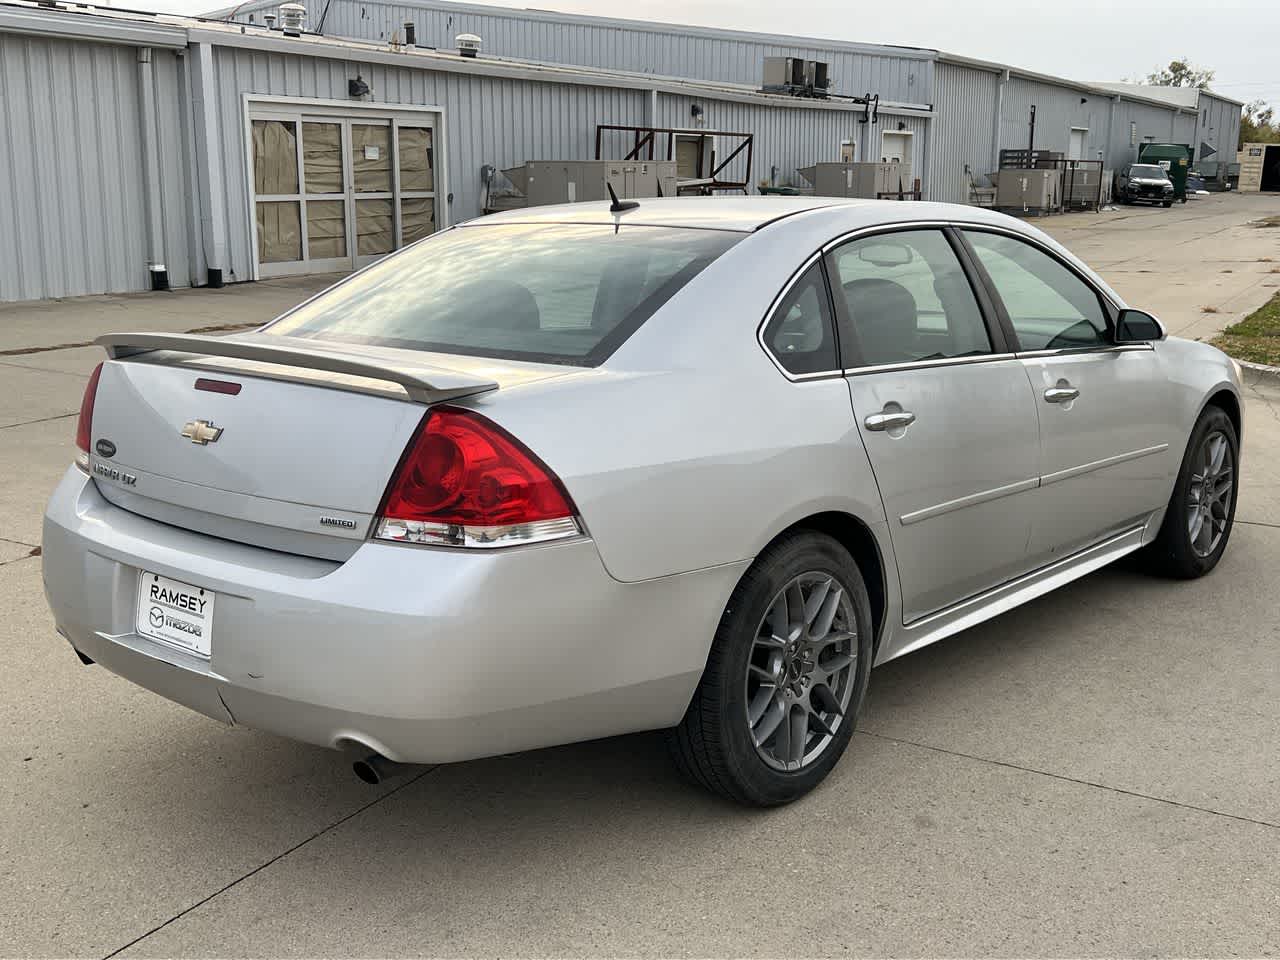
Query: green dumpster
[{"x": 1176, "y": 160}]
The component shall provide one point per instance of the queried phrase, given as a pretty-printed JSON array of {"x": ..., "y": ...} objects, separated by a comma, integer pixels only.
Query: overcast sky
[{"x": 1080, "y": 39}]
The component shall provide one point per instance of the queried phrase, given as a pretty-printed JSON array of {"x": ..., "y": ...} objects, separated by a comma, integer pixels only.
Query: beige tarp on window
[
  {"x": 279, "y": 232},
  {"x": 275, "y": 157},
  {"x": 326, "y": 229},
  {"x": 374, "y": 227},
  {"x": 371, "y": 157},
  {"x": 415, "y": 159},
  {"x": 417, "y": 218},
  {"x": 322, "y": 157}
]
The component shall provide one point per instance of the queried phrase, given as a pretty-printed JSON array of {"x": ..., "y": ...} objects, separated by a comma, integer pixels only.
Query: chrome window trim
[
  {"x": 925, "y": 364},
  {"x": 768, "y": 317},
  {"x": 1067, "y": 351}
]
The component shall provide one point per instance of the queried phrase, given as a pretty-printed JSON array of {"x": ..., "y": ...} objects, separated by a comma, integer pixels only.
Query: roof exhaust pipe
[{"x": 376, "y": 768}]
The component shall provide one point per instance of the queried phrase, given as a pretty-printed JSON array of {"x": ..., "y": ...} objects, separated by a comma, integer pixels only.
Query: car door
[
  {"x": 1107, "y": 445},
  {"x": 946, "y": 413}
]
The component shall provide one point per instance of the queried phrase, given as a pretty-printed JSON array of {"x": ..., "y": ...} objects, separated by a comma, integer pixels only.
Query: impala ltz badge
[{"x": 201, "y": 431}]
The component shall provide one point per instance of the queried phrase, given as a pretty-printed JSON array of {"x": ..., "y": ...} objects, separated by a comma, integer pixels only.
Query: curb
[{"x": 1260, "y": 368}]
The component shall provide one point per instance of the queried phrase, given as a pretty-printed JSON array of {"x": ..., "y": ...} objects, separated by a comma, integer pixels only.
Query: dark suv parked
[{"x": 1142, "y": 183}]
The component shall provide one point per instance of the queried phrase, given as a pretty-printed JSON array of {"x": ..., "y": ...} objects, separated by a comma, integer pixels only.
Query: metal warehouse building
[{"x": 142, "y": 150}]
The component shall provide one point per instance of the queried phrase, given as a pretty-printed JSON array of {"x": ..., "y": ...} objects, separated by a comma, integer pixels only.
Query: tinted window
[
  {"x": 908, "y": 299},
  {"x": 565, "y": 293},
  {"x": 1050, "y": 307},
  {"x": 801, "y": 333},
  {"x": 1149, "y": 172}
]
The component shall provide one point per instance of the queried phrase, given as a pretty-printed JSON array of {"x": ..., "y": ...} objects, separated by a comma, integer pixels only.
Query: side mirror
[{"x": 1137, "y": 326}]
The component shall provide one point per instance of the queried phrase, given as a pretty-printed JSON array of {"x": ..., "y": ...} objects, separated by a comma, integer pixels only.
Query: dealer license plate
[{"x": 175, "y": 613}]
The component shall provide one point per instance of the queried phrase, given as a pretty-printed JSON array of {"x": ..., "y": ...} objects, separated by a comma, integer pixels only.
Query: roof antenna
[{"x": 619, "y": 206}]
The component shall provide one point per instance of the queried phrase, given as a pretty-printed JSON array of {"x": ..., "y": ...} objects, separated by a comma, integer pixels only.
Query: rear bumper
[{"x": 423, "y": 654}]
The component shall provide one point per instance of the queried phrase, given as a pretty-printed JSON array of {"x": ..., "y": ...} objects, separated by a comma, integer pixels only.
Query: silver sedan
[{"x": 578, "y": 471}]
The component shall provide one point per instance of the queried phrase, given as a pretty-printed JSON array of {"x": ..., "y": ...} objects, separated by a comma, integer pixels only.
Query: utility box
[
  {"x": 1175, "y": 158},
  {"x": 1258, "y": 167},
  {"x": 866, "y": 180},
  {"x": 1028, "y": 191},
  {"x": 574, "y": 181}
]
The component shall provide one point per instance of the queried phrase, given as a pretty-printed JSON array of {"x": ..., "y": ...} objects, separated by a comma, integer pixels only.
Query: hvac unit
[
  {"x": 573, "y": 181},
  {"x": 783, "y": 75},
  {"x": 817, "y": 77},
  {"x": 1028, "y": 190},
  {"x": 867, "y": 180}
]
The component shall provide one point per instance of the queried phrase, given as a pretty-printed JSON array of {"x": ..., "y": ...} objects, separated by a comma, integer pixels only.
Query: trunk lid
[{"x": 297, "y": 458}]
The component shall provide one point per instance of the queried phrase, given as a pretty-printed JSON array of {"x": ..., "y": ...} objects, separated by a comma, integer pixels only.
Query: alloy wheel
[
  {"x": 802, "y": 671},
  {"x": 1209, "y": 494}
]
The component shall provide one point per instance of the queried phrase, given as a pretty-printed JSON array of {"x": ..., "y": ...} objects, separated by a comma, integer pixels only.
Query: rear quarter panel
[{"x": 689, "y": 448}]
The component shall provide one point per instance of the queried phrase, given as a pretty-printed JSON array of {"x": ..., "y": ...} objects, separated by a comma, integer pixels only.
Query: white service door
[{"x": 1075, "y": 148}]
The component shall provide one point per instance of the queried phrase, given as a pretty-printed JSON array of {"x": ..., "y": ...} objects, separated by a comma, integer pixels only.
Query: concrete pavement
[
  {"x": 1093, "y": 774},
  {"x": 1207, "y": 252}
]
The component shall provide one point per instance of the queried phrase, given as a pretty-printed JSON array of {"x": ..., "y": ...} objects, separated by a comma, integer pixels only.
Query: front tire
[
  {"x": 1202, "y": 509},
  {"x": 785, "y": 678}
]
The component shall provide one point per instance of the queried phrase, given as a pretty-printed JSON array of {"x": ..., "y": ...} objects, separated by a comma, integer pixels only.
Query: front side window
[
  {"x": 1050, "y": 307},
  {"x": 558, "y": 293},
  {"x": 801, "y": 332},
  {"x": 907, "y": 299}
]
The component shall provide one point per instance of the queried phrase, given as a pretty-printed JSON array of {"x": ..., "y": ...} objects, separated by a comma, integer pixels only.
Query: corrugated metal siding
[
  {"x": 1218, "y": 127},
  {"x": 71, "y": 186},
  {"x": 1057, "y": 110},
  {"x": 963, "y": 131},
  {"x": 499, "y": 122},
  {"x": 1154, "y": 124},
  {"x": 660, "y": 51}
]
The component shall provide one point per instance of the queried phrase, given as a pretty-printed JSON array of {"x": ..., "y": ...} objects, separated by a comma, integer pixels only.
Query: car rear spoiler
[{"x": 423, "y": 383}]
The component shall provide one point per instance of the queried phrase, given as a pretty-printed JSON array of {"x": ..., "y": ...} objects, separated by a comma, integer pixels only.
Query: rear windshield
[
  {"x": 559, "y": 293},
  {"x": 1148, "y": 173}
]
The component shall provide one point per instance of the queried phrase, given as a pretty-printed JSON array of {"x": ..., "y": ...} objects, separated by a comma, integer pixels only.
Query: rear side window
[
  {"x": 1050, "y": 307},
  {"x": 559, "y": 293},
  {"x": 801, "y": 332},
  {"x": 908, "y": 299}
]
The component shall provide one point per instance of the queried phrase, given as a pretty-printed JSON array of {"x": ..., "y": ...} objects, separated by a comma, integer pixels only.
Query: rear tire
[
  {"x": 1186, "y": 548},
  {"x": 804, "y": 590}
]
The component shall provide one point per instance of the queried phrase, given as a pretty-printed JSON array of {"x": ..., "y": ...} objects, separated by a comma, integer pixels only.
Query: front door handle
[
  {"x": 890, "y": 421},
  {"x": 1062, "y": 393}
]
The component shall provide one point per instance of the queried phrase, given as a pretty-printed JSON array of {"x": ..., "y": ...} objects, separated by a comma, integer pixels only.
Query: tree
[
  {"x": 1181, "y": 73},
  {"x": 1257, "y": 124}
]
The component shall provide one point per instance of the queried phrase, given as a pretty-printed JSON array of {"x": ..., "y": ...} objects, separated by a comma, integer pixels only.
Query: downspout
[
  {"x": 151, "y": 172},
  {"x": 653, "y": 108},
  {"x": 213, "y": 223},
  {"x": 995, "y": 123},
  {"x": 1111, "y": 131}
]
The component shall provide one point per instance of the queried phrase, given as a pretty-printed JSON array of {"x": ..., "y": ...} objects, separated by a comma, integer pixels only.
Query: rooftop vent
[
  {"x": 468, "y": 44},
  {"x": 293, "y": 18}
]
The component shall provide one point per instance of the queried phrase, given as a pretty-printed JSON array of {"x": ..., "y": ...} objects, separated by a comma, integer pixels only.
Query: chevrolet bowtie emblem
[{"x": 201, "y": 431}]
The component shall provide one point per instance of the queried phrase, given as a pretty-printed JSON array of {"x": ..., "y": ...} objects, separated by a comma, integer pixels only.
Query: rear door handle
[
  {"x": 1061, "y": 394},
  {"x": 890, "y": 421}
]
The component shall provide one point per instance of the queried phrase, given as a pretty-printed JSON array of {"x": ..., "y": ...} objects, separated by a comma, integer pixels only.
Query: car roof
[{"x": 741, "y": 213}]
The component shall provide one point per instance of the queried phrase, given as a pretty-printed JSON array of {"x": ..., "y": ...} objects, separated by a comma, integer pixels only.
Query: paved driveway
[{"x": 1096, "y": 773}]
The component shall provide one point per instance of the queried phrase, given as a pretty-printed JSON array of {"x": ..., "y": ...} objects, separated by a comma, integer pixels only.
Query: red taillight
[
  {"x": 464, "y": 481},
  {"x": 84, "y": 426}
]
